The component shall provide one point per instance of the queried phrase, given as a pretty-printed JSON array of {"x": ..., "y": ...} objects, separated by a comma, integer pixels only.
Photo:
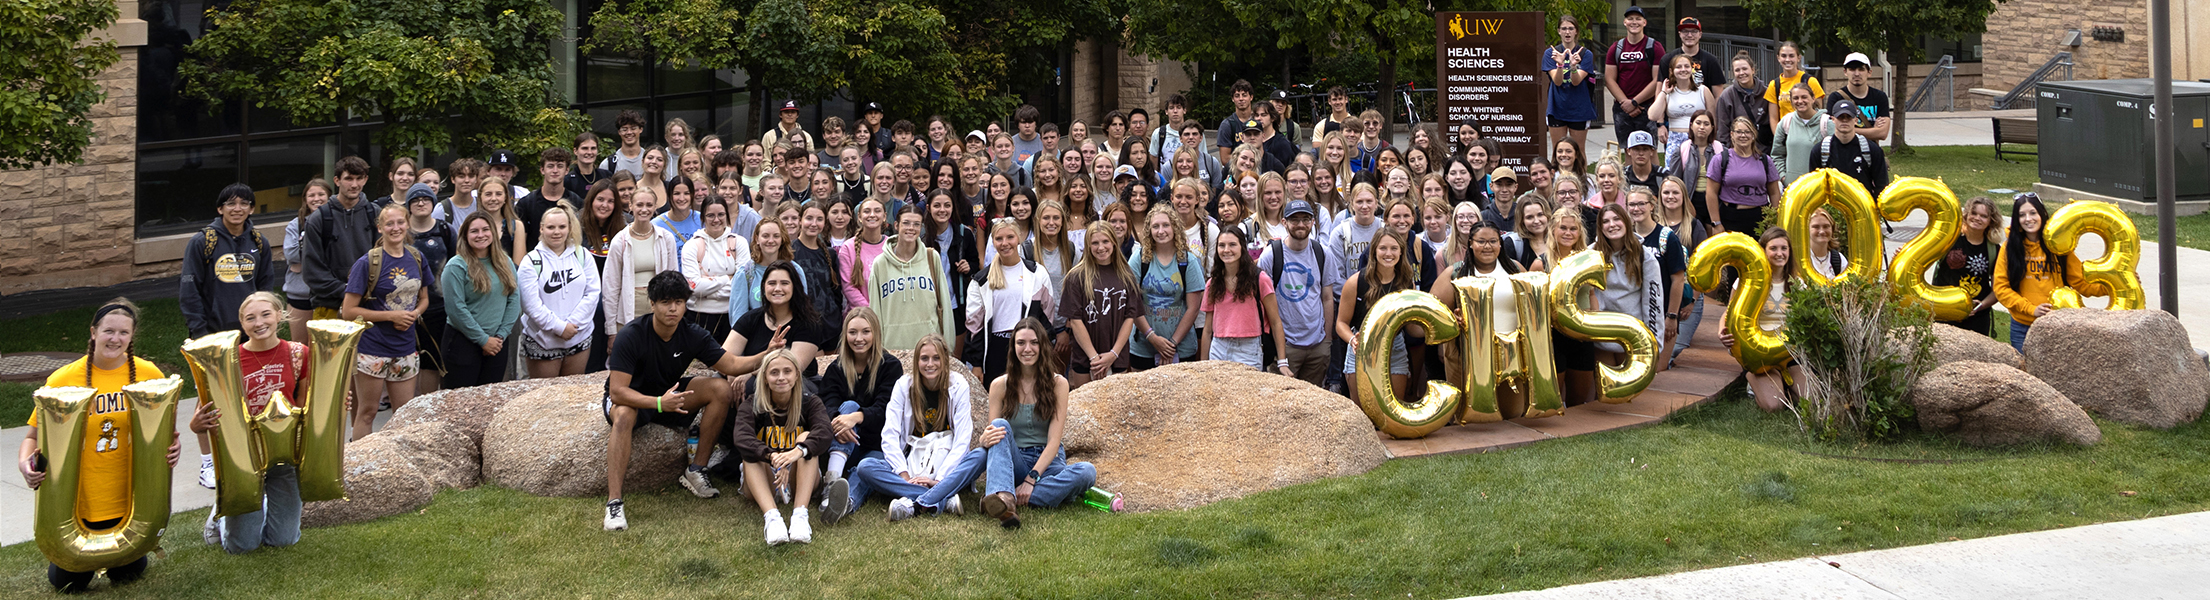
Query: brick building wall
[
  {"x": 2023, "y": 34},
  {"x": 70, "y": 225}
]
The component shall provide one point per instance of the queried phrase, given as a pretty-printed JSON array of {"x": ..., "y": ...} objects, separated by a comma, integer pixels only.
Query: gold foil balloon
[
  {"x": 1375, "y": 395},
  {"x": 1506, "y": 346},
  {"x": 1818, "y": 189},
  {"x": 278, "y": 425},
  {"x": 1908, "y": 269},
  {"x": 62, "y": 415},
  {"x": 239, "y": 457},
  {"x": 322, "y": 443},
  {"x": 2114, "y": 271},
  {"x": 1619, "y": 384},
  {"x": 1755, "y": 349}
]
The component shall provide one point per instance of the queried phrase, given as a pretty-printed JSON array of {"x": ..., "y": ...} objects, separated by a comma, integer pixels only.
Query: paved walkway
[{"x": 2150, "y": 558}]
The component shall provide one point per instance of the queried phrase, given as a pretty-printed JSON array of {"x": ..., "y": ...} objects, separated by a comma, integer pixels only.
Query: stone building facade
[
  {"x": 1107, "y": 78},
  {"x": 69, "y": 225},
  {"x": 2023, "y": 34}
]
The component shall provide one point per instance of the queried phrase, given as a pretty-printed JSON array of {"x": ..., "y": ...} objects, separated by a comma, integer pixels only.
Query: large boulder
[
  {"x": 1989, "y": 404},
  {"x": 440, "y": 451},
  {"x": 552, "y": 442},
  {"x": 2132, "y": 366},
  {"x": 471, "y": 408},
  {"x": 1190, "y": 434},
  {"x": 381, "y": 480},
  {"x": 1955, "y": 344}
]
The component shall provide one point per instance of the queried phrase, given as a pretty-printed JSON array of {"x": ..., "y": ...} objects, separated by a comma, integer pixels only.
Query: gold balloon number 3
[{"x": 2114, "y": 271}]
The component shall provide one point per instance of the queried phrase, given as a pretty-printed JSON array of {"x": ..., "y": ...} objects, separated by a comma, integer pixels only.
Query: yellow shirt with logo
[{"x": 103, "y": 489}]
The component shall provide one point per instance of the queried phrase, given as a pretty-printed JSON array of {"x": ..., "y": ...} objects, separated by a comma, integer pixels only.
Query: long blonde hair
[
  {"x": 1057, "y": 243},
  {"x": 762, "y": 401},
  {"x": 1147, "y": 246},
  {"x": 851, "y": 363},
  {"x": 1558, "y": 218},
  {"x": 1085, "y": 272},
  {"x": 997, "y": 265}
]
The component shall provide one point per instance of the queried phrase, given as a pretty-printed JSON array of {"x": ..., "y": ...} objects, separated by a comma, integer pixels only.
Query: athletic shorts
[
  {"x": 1573, "y": 125},
  {"x": 387, "y": 368},
  {"x": 679, "y": 422},
  {"x": 302, "y": 304}
]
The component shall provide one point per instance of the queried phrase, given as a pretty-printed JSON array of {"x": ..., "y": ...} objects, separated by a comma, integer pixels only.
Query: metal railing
[
  {"x": 1945, "y": 75},
  {"x": 2022, "y": 95}
]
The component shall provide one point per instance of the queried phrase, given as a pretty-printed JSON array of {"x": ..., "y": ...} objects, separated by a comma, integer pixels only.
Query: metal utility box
[{"x": 2096, "y": 136}]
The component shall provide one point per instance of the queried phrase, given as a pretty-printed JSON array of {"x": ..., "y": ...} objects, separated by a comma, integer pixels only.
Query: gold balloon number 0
[{"x": 1520, "y": 358}]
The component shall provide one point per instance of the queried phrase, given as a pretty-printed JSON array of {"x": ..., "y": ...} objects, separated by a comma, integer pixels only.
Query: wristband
[{"x": 656, "y": 405}]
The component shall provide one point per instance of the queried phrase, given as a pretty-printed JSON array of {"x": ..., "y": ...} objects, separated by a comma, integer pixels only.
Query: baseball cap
[
  {"x": 1689, "y": 23},
  {"x": 1856, "y": 58},
  {"x": 1124, "y": 171},
  {"x": 1251, "y": 126},
  {"x": 501, "y": 158},
  {"x": 1635, "y": 11},
  {"x": 1844, "y": 108},
  {"x": 978, "y": 135},
  {"x": 1281, "y": 95},
  {"x": 1297, "y": 207},
  {"x": 1641, "y": 138},
  {"x": 420, "y": 191},
  {"x": 790, "y": 105},
  {"x": 1504, "y": 173},
  {"x": 871, "y": 107}
]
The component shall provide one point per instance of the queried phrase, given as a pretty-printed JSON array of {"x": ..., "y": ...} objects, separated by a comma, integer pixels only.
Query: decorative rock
[
  {"x": 471, "y": 408},
  {"x": 381, "y": 480},
  {"x": 441, "y": 452},
  {"x": 2132, "y": 366},
  {"x": 1954, "y": 344},
  {"x": 1989, "y": 404},
  {"x": 552, "y": 442},
  {"x": 1191, "y": 434}
]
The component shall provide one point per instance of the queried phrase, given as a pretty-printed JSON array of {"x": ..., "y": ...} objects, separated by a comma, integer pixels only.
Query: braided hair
[{"x": 130, "y": 351}]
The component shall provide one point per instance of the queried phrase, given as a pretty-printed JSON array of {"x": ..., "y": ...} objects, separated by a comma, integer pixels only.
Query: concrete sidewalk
[{"x": 2151, "y": 558}]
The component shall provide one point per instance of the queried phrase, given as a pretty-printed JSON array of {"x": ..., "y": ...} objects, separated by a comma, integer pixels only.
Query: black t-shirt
[
  {"x": 1874, "y": 99},
  {"x": 577, "y": 181},
  {"x": 532, "y": 209},
  {"x": 654, "y": 364},
  {"x": 1709, "y": 71},
  {"x": 753, "y": 326},
  {"x": 1973, "y": 269},
  {"x": 1282, "y": 149}
]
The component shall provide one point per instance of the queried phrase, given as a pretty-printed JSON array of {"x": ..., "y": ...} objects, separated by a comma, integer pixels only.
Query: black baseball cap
[
  {"x": 501, "y": 158},
  {"x": 1251, "y": 126},
  {"x": 1281, "y": 95},
  {"x": 1297, "y": 207},
  {"x": 790, "y": 105},
  {"x": 1635, "y": 11},
  {"x": 871, "y": 107}
]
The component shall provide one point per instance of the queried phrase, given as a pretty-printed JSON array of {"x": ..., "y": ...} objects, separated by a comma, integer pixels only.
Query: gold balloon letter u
[{"x": 62, "y": 415}]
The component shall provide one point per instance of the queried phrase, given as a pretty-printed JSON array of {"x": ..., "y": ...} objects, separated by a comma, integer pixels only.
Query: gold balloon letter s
[
  {"x": 1622, "y": 383},
  {"x": 62, "y": 415}
]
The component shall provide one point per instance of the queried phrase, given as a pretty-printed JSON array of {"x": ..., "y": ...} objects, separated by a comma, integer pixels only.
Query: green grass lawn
[
  {"x": 1718, "y": 485},
  {"x": 1969, "y": 170}
]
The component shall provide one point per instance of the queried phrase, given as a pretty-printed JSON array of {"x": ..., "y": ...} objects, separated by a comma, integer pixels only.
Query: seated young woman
[
  {"x": 1022, "y": 448},
  {"x": 780, "y": 433},
  {"x": 858, "y": 383},
  {"x": 924, "y": 428}
]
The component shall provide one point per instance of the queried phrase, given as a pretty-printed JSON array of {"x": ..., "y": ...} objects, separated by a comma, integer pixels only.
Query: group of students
[{"x": 1035, "y": 261}]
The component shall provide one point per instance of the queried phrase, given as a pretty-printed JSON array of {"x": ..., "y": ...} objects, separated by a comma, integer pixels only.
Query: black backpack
[{"x": 1319, "y": 254}]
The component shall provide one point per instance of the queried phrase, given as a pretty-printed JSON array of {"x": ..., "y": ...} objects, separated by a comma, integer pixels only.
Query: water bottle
[
  {"x": 1103, "y": 500},
  {"x": 690, "y": 448}
]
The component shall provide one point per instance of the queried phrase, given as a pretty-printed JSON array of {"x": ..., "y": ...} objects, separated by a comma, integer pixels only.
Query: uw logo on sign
[{"x": 1460, "y": 27}]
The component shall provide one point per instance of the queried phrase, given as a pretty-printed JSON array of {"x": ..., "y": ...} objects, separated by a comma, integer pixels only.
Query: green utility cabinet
[{"x": 2095, "y": 137}]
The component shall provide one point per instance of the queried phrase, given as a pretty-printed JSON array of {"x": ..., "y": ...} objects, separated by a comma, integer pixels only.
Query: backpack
[
  {"x": 376, "y": 266},
  {"x": 1726, "y": 157},
  {"x": 207, "y": 246},
  {"x": 1826, "y": 150}
]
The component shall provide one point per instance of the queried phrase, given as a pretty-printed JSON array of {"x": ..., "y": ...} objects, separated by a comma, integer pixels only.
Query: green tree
[
  {"x": 1392, "y": 32},
  {"x": 1885, "y": 24},
  {"x": 46, "y": 86},
  {"x": 471, "y": 75},
  {"x": 914, "y": 56}
]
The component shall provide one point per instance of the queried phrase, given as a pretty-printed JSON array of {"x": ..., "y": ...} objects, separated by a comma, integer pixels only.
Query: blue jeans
[
  {"x": 847, "y": 408},
  {"x": 2018, "y": 335},
  {"x": 276, "y": 524},
  {"x": 1008, "y": 466},
  {"x": 1688, "y": 326},
  {"x": 872, "y": 475}
]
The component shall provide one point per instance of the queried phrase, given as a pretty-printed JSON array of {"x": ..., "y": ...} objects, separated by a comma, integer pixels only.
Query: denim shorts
[{"x": 1399, "y": 361}]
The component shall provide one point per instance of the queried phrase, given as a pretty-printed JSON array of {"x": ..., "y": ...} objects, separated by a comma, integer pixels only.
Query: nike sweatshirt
[{"x": 559, "y": 289}]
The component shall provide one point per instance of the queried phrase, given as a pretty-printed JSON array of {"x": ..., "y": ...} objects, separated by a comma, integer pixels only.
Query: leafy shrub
[{"x": 1861, "y": 347}]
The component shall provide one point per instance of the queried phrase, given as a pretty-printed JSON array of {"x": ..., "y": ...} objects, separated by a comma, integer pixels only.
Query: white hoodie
[
  {"x": 715, "y": 266},
  {"x": 558, "y": 290},
  {"x": 898, "y": 416}
]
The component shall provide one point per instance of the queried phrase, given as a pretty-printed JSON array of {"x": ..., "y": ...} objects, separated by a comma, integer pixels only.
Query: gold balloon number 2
[{"x": 1759, "y": 350}]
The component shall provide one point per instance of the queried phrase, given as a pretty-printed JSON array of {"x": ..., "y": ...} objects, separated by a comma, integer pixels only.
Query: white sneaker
[
  {"x": 952, "y": 507},
  {"x": 836, "y": 501},
  {"x": 901, "y": 509},
  {"x": 801, "y": 526},
  {"x": 207, "y": 471},
  {"x": 777, "y": 533},
  {"x": 617, "y": 519},
  {"x": 695, "y": 481},
  {"x": 212, "y": 533}
]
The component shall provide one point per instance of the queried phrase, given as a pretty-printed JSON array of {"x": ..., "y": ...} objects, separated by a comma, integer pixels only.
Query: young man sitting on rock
[{"x": 645, "y": 385}]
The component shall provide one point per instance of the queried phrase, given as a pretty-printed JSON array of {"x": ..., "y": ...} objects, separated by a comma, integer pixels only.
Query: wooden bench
[{"x": 2015, "y": 131}]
